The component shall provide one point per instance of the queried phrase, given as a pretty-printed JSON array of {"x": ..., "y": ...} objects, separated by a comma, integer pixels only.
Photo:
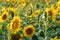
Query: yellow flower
[
  {"x": 29, "y": 31},
  {"x": 54, "y": 38},
  {"x": 4, "y": 17},
  {"x": 51, "y": 12},
  {"x": 14, "y": 10},
  {"x": 38, "y": 12},
  {"x": 30, "y": 13},
  {"x": 15, "y": 24},
  {"x": 16, "y": 37}
]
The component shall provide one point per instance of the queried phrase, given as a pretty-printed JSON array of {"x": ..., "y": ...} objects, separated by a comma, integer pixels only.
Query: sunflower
[
  {"x": 4, "y": 17},
  {"x": 11, "y": 9},
  {"x": 54, "y": 38},
  {"x": 37, "y": 12},
  {"x": 15, "y": 24},
  {"x": 51, "y": 12},
  {"x": 16, "y": 37},
  {"x": 30, "y": 13},
  {"x": 29, "y": 31}
]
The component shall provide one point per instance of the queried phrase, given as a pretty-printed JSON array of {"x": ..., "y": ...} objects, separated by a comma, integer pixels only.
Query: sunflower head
[
  {"x": 4, "y": 16},
  {"x": 29, "y": 31},
  {"x": 11, "y": 9},
  {"x": 37, "y": 12},
  {"x": 51, "y": 12},
  {"x": 15, "y": 24},
  {"x": 16, "y": 37},
  {"x": 30, "y": 13}
]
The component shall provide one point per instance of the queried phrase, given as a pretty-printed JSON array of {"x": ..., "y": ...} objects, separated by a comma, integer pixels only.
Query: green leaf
[{"x": 34, "y": 37}]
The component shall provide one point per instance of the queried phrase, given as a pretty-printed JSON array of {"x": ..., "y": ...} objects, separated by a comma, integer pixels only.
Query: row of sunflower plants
[{"x": 29, "y": 19}]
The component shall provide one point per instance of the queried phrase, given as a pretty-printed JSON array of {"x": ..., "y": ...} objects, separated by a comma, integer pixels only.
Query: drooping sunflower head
[
  {"x": 16, "y": 37},
  {"x": 29, "y": 31},
  {"x": 15, "y": 24},
  {"x": 37, "y": 12},
  {"x": 30, "y": 13},
  {"x": 11, "y": 9},
  {"x": 4, "y": 16}
]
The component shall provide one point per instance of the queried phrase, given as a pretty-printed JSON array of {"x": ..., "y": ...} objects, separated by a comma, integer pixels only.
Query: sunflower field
[{"x": 29, "y": 19}]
